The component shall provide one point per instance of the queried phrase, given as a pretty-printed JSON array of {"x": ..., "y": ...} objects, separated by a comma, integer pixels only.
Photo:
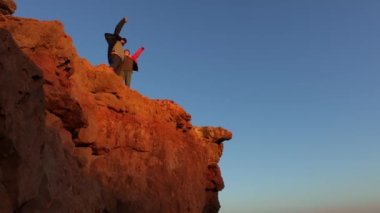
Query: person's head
[
  {"x": 127, "y": 52},
  {"x": 123, "y": 41}
]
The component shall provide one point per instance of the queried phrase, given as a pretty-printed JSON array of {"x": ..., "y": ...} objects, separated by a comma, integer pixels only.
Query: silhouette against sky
[{"x": 296, "y": 81}]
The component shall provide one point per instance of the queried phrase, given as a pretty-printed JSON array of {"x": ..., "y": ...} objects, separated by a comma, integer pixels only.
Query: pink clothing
[{"x": 137, "y": 54}]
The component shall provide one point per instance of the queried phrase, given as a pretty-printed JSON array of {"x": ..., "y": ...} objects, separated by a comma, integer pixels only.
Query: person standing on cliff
[
  {"x": 130, "y": 64},
  {"x": 119, "y": 59},
  {"x": 115, "y": 46}
]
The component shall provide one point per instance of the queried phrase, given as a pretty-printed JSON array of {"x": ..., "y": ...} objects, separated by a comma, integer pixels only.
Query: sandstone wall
[{"x": 73, "y": 138}]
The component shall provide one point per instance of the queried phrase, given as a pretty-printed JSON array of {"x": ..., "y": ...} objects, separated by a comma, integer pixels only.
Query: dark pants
[
  {"x": 115, "y": 62},
  {"x": 122, "y": 68},
  {"x": 128, "y": 78},
  {"x": 126, "y": 70}
]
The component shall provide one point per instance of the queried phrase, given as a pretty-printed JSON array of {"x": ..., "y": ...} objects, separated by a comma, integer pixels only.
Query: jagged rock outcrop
[
  {"x": 7, "y": 7},
  {"x": 73, "y": 138}
]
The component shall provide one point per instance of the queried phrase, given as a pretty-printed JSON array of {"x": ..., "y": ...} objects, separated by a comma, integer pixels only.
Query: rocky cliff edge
[{"x": 73, "y": 138}]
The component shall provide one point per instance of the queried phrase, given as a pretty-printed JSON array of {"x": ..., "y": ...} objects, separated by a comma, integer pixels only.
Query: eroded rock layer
[{"x": 73, "y": 138}]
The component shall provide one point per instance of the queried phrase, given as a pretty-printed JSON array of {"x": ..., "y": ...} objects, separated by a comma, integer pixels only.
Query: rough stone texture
[
  {"x": 7, "y": 7},
  {"x": 73, "y": 138}
]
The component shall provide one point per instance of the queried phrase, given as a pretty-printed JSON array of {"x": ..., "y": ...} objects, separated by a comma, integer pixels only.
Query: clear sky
[{"x": 296, "y": 81}]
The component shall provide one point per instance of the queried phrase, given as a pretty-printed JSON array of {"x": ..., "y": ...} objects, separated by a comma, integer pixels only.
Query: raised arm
[
  {"x": 120, "y": 25},
  {"x": 137, "y": 53}
]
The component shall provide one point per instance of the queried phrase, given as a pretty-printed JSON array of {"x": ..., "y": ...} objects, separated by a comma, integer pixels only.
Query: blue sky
[{"x": 296, "y": 81}]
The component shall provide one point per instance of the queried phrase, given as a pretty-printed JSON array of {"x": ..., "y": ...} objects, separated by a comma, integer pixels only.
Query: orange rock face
[
  {"x": 7, "y": 7},
  {"x": 73, "y": 138}
]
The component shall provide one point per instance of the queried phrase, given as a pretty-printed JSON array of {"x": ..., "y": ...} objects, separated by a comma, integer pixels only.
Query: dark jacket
[{"x": 113, "y": 38}]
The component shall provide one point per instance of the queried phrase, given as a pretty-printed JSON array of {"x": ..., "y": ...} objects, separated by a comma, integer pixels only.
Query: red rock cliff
[{"x": 73, "y": 138}]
